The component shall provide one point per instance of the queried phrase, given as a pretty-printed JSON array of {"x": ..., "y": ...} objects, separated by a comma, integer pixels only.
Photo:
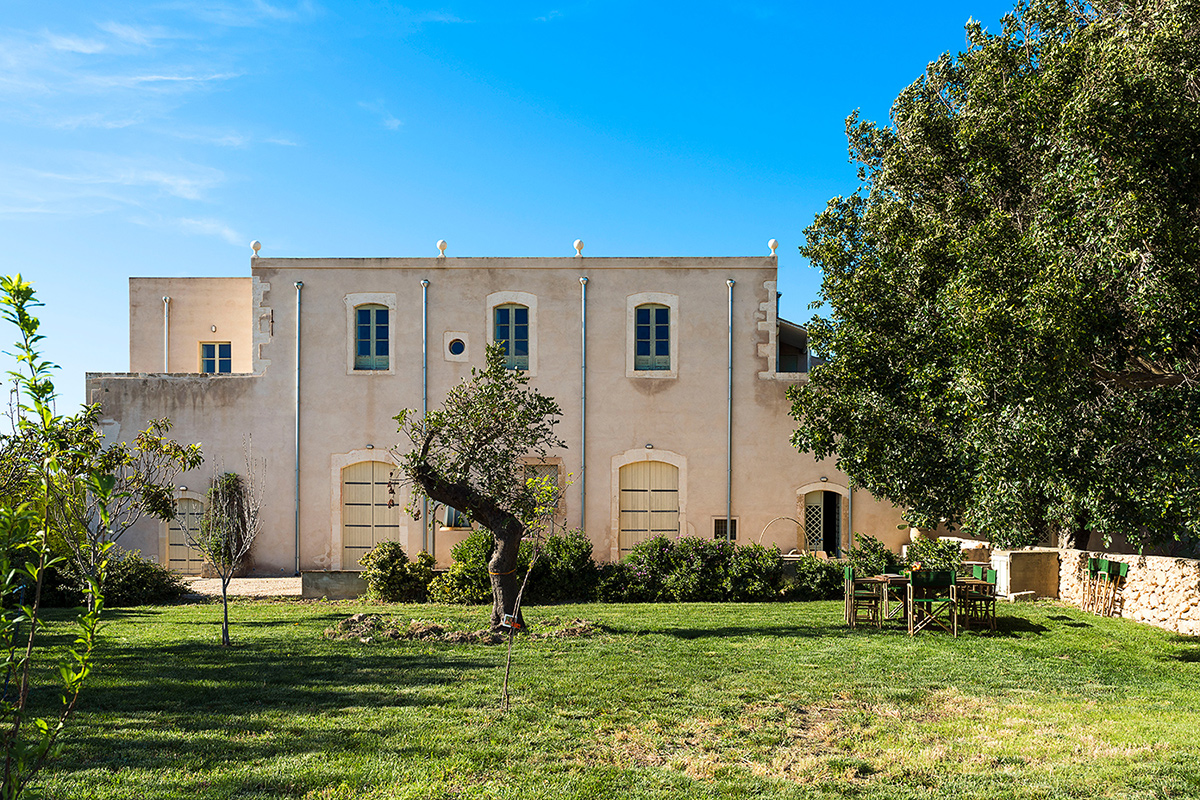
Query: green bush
[
  {"x": 563, "y": 573},
  {"x": 815, "y": 579},
  {"x": 467, "y": 579},
  {"x": 872, "y": 557},
  {"x": 755, "y": 574},
  {"x": 936, "y": 554},
  {"x": 131, "y": 581},
  {"x": 392, "y": 578},
  {"x": 693, "y": 570}
]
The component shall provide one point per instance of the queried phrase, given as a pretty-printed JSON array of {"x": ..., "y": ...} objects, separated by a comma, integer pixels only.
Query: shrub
[
  {"x": 755, "y": 574},
  {"x": 815, "y": 579},
  {"x": 131, "y": 581},
  {"x": 935, "y": 554},
  {"x": 872, "y": 557},
  {"x": 467, "y": 580},
  {"x": 564, "y": 572},
  {"x": 693, "y": 570},
  {"x": 392, "y": 578}
]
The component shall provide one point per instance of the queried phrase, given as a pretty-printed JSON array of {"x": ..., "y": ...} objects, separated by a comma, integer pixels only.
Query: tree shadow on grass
[{"x": 784, "y": 630}]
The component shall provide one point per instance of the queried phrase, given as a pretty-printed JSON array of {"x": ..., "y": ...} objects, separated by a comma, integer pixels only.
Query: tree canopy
[
  {"x": 1013, "y": 292},
  {"x": 470, "y": 453}
]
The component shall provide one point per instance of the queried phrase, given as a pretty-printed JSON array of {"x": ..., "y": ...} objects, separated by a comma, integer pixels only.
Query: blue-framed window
[
  {"x": 216, "y": 357},
  {"x": 371, "y": 337},
  {"x": 511, "y": 329},
  {"x": 652, "y": 337}
]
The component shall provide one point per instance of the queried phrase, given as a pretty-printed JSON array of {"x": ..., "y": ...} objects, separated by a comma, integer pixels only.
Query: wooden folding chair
[
  {"x": 932, "y": 601},
  {"x": 1118, "y": 571},
  {"x": 864, "y": 600},
  {"x": 978, "y": 600}
]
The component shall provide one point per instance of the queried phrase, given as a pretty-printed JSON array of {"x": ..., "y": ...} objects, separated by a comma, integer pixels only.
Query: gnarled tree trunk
[{"x": 506, "y": 581}]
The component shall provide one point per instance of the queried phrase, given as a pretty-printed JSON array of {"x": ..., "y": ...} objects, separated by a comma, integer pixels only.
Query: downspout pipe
[
  {"x": 427, "y": 540},
  {"x": 729, "y": 421},
  {"x": 583, "y": 284},
  {"x": 166, "y": 334},
  {"x": 296, "y": 412}
]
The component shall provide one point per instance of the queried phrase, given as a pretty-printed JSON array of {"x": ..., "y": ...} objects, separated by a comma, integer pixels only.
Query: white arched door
[
  {"x": 181, "y": 557},
  {"x": 649, "y": 502},
  {"x": 366, "y": 518}
]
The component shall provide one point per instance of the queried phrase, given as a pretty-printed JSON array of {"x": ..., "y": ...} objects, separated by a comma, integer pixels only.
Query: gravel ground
[{"x": 248, "y": 587}]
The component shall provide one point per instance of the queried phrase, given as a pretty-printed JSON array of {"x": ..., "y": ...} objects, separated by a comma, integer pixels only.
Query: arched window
[
  {"x": 652, "y": 337},
  {"x": 511, "y": 329},
  {"x": 371, "y": 337}
]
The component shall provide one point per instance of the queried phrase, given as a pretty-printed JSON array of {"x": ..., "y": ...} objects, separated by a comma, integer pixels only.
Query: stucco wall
[
  {"x": 197, "y": 306},
  {"x": 346, "y": 416},
  {"x": 1160, "y": 591}
]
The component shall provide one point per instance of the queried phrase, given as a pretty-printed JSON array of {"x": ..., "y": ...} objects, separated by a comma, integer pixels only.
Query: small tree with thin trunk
[
  {"x": 468, "y": 454},
  {"x": 228, "y": 527}
]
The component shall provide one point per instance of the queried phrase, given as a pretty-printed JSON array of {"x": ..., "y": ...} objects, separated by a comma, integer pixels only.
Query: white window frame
[
  {"x": 353, "y": 301},
  {"x": 519, "y": 298},
  {"x": 671, "y": 301}
]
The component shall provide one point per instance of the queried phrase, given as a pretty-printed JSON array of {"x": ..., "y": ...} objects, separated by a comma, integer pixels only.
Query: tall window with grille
[
  {"x": 511, "y": 329},
  {"x": 652, "y": 337},
  {"x": 216, "y": 357},
  {"x": 371, "y": 345}
]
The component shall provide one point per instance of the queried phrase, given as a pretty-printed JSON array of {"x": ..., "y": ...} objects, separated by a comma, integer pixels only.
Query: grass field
[{"x": 668, "y": 701}]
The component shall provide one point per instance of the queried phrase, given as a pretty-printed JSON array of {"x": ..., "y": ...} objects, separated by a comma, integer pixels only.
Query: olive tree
[
  {"x": 469, "y": 455},
  {"x": 1013, "y": 332}
]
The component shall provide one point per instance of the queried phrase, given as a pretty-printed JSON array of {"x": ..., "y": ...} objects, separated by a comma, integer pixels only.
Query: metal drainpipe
[
  {"x": 166, "y": 334},
  {"x": 427, "y": 541},
  {"x": 729, "y": 423},
  {"x": 296, "y": 444},
  {"x": 583, "y": 282}
]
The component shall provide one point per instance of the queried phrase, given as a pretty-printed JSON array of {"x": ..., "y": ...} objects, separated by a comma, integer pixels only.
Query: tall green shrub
[{"x": 392, "y": 578}]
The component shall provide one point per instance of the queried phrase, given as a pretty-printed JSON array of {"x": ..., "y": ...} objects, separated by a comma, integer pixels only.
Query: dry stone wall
[{"x": 1160, "y": 591}]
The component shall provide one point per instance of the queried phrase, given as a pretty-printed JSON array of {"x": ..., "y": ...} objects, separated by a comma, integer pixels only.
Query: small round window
[{"x": 457, "y": 347}]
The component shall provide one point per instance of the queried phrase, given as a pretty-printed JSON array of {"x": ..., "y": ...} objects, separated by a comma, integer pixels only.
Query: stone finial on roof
[
  {"x": 441, "y": 245},
  {"x": 774, "y": 245},
  {"x": 256, "y": 245},
  {"x": 579, "y": 248}
]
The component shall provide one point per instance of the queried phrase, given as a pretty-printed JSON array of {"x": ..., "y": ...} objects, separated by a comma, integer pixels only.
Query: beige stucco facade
[{"x": 673, "y": 418}]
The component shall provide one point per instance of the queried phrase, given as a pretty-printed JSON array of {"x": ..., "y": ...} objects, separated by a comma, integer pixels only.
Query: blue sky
[{"x": 141, "y": 139}]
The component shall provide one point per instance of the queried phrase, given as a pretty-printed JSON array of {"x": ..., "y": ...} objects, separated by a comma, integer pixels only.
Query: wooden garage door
[
  {"x": 649, "y": 502},
  {"x": 180, "y": 557},
  {"x": 366, "y": 518}
]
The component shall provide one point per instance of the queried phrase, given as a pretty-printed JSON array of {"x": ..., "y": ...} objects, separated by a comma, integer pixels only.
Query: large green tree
[{"x": 1013, "y": 292}]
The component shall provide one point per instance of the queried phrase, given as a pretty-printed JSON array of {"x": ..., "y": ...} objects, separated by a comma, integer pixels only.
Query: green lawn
[{"x": 669, "y": 701}]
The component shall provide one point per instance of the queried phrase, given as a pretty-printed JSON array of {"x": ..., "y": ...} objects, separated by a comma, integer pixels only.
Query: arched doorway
[
  {"x": 823, "y": 510},
  {"x": 366, "y": 518},
  {"x": 182, "y": 557},
  {"x": 649, "y": 503}
]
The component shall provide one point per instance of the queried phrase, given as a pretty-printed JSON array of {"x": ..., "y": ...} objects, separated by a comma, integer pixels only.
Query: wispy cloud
[
  {"x": 249, "y": 14},
  {"x": 439, "y": 16},
  {"x": 74, "y": 44},
  {"x": 548, "y": 16},
  {"x": 386, "y": 119},
  {"x": 210, "y": 227},
  {"x": 90, "y": 183},
  {"x": 141, "y": 36}
]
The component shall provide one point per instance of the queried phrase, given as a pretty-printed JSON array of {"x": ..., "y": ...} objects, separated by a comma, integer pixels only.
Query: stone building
[{"x": 671, "y": 373}]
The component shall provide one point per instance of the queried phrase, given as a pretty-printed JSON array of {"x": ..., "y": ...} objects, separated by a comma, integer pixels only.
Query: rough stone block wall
[{"x": 1160, "y": 591}]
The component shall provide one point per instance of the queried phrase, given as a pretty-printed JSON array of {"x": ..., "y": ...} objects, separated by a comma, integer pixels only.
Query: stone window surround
[
  {"x": 353, "y": 301},
  {"x": 520, "y": 298},
  {"x": 671, "y": 301}
]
